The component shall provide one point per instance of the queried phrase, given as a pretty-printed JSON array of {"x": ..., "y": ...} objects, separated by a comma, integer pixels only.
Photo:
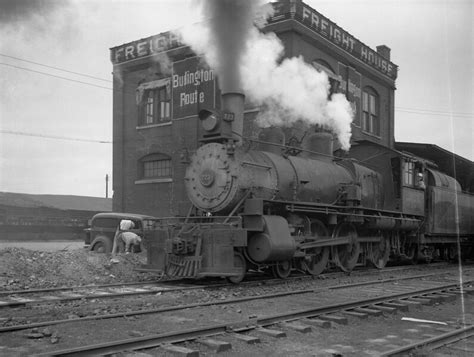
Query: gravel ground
[{"x": 21, "y": 269}]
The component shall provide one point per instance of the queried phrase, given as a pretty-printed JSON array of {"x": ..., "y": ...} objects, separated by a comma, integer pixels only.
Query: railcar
[{"x": 263, "y": 205}]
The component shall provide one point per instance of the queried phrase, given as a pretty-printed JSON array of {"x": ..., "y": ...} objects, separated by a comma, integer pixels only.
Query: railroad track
[
  {"x": 19, "y": 298},
  {"x": 389, "y": 296},
  {"x": 203, "y": 304},
  {"x": 435, "y": 342}
]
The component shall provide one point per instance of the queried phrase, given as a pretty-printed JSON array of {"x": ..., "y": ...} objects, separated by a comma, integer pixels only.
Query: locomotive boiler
[{"x": 263, "y": 205}]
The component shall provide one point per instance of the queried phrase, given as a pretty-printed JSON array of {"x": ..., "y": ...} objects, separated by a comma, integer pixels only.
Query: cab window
[{"x": 408, "y": 173}]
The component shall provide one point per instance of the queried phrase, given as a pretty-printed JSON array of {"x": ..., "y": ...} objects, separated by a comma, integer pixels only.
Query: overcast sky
[{"x": 56, "y": 133}]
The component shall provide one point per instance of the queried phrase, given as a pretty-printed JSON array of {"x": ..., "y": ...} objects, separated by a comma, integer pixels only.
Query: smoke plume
[{"x": 287, "y": 89}]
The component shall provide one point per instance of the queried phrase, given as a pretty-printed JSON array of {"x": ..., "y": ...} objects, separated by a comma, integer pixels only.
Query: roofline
[
  {"x": 122, "y": 215},
  {"x": 436, "y": 147}
]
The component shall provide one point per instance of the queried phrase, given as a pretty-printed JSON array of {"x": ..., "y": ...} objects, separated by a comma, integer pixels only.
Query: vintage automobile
[{"x": 101, "y": 231}]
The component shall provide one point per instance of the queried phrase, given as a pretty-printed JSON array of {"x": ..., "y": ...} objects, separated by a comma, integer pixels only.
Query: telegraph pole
[{"x": 107, "y": 186}]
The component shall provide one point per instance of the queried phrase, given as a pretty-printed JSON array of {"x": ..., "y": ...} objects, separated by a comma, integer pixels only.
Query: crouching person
[
  {"x": 125, "y": 240},
  {"x": 131, "y": 242}
]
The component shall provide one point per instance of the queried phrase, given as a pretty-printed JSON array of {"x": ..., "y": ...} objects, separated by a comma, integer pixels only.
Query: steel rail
[
  {"x": 79, "y": 288},
  {"x": 203, "y": 304},
  {"x": 191, "y": 334},
  {"x": 156, "y": 311},
  {"x": 76, "y": 287},
  {"x": 434, "y": 342},
  {"x": 218, "y": 302}
]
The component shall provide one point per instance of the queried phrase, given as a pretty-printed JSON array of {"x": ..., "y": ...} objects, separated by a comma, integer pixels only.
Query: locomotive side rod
[
  {"x": 337, "y": 213},
  {"x": 331, "y": 242}
]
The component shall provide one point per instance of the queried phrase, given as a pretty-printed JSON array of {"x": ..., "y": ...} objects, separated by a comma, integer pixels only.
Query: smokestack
[{"x": 233, "y": 102}]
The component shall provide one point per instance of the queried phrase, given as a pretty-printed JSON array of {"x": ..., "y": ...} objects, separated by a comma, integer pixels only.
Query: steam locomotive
[{"x": 263, "y": 205}]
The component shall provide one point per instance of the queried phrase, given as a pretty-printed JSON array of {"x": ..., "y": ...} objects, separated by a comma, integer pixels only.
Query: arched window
[
  {"x": 370, "y": 111},
  {"x": 334, "y": 80},
  {"x": 155, "y": 166}
]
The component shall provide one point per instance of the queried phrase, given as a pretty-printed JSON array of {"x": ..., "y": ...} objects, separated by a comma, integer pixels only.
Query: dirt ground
[
  {"x": 22, "y": 269},
  {"x": 26, "y": 269}
]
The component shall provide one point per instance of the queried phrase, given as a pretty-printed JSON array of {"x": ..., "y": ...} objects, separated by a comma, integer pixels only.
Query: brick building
[{"x": 160, "y": 86}]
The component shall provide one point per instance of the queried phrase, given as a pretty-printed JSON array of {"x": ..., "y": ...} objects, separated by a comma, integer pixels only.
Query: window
[
  {"x": 154, "y": 102},
  {"x": 408, "y": 173},
  {"x": 334, "y": 80},
  {"x": 370, "y": 110},
  {"x": 156, "y": 107},
  {"x": 155, "y": 166},
  {"x": 103, "y": 222}
]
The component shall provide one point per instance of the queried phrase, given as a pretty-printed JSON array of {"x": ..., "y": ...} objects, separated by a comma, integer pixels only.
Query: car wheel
[{"x": 101, "y": 245}]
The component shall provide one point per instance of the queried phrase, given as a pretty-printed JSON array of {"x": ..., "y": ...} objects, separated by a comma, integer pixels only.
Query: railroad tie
[
  {"x": 422, "y": 301},
  {"x": 272, "y": 333},
  {"x": 215, "y": 345},
  {"x": 180, "y": 351},
  {"x": 445, "y": 296},
  {"x": 369, "y": 311},
  {"x": 317, "y": 322},
  {"x": 411, "y": 303},
  {"x": 448, "y": 296},
  {"x": 387, "y": 309},
  {"x": 397, "y": 305},
  {"x": 469, "y": 290},
  {"x": 435, "y": 297},
  {"x": 297, "y": 327},
  {"x": 334, "y": 318},
  {"x": 246, "y": 338},
  {"x": 355, "y": 314}
]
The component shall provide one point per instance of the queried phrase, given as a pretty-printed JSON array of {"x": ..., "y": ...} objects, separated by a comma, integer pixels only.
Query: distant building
[
  {"x": 155, "y": 126},
  {"x": 47, "y": 217}
]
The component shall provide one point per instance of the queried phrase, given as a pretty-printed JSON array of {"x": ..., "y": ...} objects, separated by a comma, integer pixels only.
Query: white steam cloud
[{"x": 246, "y": 59}]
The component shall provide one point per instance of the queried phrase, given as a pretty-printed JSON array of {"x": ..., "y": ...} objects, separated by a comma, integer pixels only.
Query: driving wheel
[
  {"x": 345, "y": 256},
  {"x": 316, "y": 259}
]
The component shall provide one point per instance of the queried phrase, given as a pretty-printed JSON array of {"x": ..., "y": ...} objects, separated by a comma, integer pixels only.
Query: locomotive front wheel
[
  {"x": 282, "y": 269},
  {"x": 239, "y": 262},
  {"x": 346, "y": 256},
  {"x": 316, "y": 259}
]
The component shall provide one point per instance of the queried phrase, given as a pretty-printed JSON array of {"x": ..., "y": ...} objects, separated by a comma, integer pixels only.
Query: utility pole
[{"x": 107, "y": 186}]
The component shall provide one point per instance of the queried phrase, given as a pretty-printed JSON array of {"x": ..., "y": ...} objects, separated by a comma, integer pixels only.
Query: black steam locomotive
[{"x": 262, "y": 205}]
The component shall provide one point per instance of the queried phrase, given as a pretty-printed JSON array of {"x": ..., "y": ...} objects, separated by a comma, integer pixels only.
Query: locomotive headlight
[{"x": 209, "y": 119}]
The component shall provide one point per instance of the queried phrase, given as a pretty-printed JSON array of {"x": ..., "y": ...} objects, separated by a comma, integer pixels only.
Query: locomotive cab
[{"x": 409, "y": 180}]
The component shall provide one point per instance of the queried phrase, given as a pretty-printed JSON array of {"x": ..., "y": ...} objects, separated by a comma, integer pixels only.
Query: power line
[
  {"x": 22, "y": 133},
  {"x": 400, "y": 109},
  {"x": 57, "y": 68},
  {"x": 433, "y": 112},
  {"x": 53, "y": 75}
]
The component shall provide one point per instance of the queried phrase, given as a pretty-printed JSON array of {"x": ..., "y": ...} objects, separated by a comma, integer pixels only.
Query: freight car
[{"x": 262, "y": 205}]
